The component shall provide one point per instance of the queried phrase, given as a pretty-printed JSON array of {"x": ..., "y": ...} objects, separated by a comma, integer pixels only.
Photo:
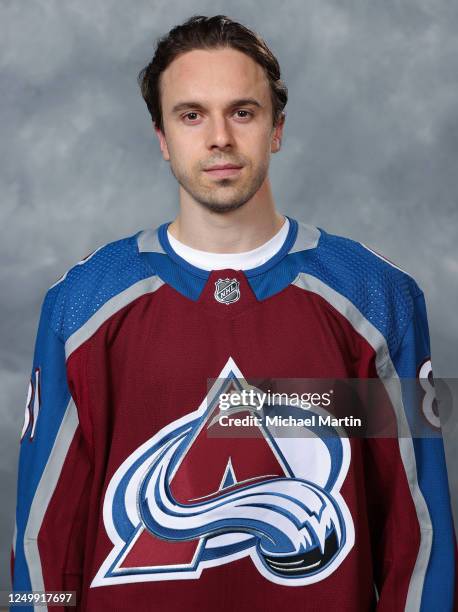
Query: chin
[{"x": 222, "y": 207}]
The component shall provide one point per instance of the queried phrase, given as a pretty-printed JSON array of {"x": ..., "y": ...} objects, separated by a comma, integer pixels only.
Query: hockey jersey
[{"x": 125, "y": 498}]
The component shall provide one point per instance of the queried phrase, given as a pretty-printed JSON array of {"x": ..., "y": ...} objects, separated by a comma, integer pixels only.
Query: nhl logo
[{"x": 227, "y": 290}]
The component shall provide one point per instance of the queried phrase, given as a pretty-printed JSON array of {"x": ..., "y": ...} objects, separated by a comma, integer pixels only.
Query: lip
[{"x": 223, "y": 170}]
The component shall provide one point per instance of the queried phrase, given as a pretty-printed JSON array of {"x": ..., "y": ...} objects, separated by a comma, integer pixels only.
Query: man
[{"x": 124, "y": 494}]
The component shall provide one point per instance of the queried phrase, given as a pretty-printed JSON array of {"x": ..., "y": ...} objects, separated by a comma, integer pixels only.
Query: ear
[
  {"x": 162, "y": 143},
  {"x": 277, "y": 134}
]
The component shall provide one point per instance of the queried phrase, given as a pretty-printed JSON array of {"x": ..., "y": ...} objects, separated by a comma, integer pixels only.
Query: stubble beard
[{"x": 226, "y": 194}]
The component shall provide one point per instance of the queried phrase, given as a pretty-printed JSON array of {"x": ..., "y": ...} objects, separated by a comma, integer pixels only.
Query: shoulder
[
  {"x": 94, "y": 280},
  {"x": 358, "y": 267},
  {"x": 360, "y": 279}
]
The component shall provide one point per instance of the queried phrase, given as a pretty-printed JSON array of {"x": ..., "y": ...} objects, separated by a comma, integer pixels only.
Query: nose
[{"x": 219, "y": 133}]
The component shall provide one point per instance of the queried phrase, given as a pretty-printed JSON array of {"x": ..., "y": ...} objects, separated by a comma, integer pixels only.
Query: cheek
[
  {"x": 259, "y": 142},
  {"x": 183, "y": 151},
  {"x": 261, "y": 152}
]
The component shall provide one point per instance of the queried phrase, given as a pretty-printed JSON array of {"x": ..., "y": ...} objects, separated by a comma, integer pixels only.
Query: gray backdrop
[{"x": 370, "y": 151}]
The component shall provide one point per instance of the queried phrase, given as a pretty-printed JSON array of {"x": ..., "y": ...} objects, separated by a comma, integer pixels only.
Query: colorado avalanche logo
[{"x": 184, "y": 501}]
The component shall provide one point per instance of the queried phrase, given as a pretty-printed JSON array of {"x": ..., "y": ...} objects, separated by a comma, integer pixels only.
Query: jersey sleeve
[
  {"x": 414, "y": 541},
  {"x": 53, "y": 472}
]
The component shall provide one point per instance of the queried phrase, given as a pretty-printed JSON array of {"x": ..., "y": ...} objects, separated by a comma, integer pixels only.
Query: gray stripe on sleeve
[
  {"x": 387, "y": 373},
  {"x": 44, "y": 493},
  {"x": 113, "y": 305}
]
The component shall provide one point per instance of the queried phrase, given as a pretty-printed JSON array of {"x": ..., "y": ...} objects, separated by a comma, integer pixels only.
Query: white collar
[{"x": 206, "y": 260}]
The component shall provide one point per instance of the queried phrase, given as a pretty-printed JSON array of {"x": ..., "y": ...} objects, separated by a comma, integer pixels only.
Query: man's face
[{"x": 217, "y": 110}]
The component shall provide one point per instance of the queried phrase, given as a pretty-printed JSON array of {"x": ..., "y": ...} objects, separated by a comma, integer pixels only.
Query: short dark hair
[{"x": 200, "y": 32}]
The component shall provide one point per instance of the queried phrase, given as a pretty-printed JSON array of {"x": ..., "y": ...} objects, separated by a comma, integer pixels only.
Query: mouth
[{"x": 223, "y": 171}]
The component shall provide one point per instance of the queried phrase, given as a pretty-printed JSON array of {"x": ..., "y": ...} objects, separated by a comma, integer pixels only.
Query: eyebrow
[{"x": 180, "y": 106}]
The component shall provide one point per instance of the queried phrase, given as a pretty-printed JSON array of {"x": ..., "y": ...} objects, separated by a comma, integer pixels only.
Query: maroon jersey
[{"x": 131, "y": 494}]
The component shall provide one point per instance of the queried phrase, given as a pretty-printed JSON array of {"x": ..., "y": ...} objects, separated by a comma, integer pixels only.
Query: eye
[
  {"x": 247, "y": 113},
  {"x": 192, "y": 116}
]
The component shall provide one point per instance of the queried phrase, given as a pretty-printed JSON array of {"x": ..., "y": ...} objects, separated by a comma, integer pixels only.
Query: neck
[{"x": 236, "y": 231}]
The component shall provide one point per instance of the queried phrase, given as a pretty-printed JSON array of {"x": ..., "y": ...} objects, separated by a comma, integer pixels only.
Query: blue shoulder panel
[
  {"x": 89, "y": 284},
  {"x": 383, "y": 293}
]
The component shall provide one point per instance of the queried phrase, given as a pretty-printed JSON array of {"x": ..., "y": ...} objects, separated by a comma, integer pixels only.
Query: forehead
[{"x": 215, "y": 74}]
